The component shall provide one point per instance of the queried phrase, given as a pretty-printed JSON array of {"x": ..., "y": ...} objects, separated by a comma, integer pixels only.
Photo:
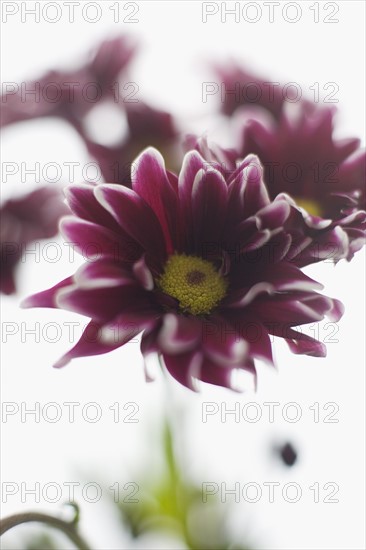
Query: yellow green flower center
[
  {"x": 194, "y": 282},
  {"x": 311, "y": 206}
]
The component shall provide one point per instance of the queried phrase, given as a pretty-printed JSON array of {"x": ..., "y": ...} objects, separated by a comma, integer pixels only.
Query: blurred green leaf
[
  {"x": 170, "y": 503},
  {"x": 41, "y": 542}
]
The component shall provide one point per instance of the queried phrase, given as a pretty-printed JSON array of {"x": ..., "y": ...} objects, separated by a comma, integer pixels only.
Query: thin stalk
[{"x": 67, "y": 527}]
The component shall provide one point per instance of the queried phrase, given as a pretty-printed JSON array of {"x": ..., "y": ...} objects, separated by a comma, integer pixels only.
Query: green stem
[
  {"x": 67, "y": 527},
  {"x": 169, "y": 453}
]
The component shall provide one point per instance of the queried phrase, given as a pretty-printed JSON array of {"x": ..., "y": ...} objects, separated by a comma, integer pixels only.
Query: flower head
[
  {"x": 301, "y": 157},
  {"x": 322, "y": 177},
  {"x": 195, "y": 262}
]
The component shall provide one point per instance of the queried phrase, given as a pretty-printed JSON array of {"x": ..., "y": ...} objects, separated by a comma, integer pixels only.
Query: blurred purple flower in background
[
  {"x": 240, "y": 87},
  {"x": 301, "y": 157},
  {"x": 70, "y": 94},
  {"x": 322, "y": 179},
  {"x": 146, "y": 126},
  {"x": 24, "y": 220},
  {"x": 323, "y": 175},
  {"x": 196, "y": 262}
]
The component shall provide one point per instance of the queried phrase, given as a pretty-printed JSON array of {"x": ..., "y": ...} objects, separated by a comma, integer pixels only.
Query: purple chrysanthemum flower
[
  {"x": 24, "y": 220},
  {"x": 323, "y": 177},
  {"x": 194, "y": 262}
]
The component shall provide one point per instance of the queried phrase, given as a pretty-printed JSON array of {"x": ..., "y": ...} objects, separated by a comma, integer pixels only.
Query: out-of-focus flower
[
  {"x": 301, "y": 157},
  {"x": 24, "y": 220},
  {"x": 322, "y": 177},
  {"x": 195, "y": 262},
  {"x": 146, "y": 126},
  {"x": 239, "y": 87},
  {"x": 70, "y": 94}
]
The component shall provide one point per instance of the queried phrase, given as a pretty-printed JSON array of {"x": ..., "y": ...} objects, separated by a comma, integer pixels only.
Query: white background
[{"x": 176, "y": 47}]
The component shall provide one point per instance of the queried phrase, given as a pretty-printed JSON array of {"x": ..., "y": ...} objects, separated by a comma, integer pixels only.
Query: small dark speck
[{"x": 288, "y": 454}]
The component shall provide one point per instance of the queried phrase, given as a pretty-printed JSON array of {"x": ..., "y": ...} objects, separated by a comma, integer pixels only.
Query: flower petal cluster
[
  {"x": 197, "y": 262},
  {"x": 321, "y": 178}
]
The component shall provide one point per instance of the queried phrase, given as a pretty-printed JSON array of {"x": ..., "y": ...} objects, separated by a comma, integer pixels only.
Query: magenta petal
[
  {"x": 128, "y": 325},
  {"x": 255, "y": 192},
  {"x": 244, "y": 298},
  {"x": 357, "y": 240},
  {"x": 185, "y": 367},
  {"x": 212, "y": 373},
  {"x": 103, "y": 273},
  {"x": 255, "y": 334},
  {"x": 218, "y": 375},
  {"x": 223, "y": 160},
  {"x": 143, "y": 274},
  {"x": 179, "y": 334},
  {"x": 274, "y": 214},
  {"x": 134, "y": 216},
  {"x": 223, "y": 343},
  {"x": 83, "y": 204},
  {"x": 290, "y": 312},
  {"x": 7, "y": 283},
  {"x": 278, "y": 247},
  {"x": 92, "y": 240},
  {"x": 192, "y": 164},
  {"x": 101, "y": 304},
  {"x": 305, "y": 345},
  {"x": 281, "y": 277},
  {"x": 259, "y": 341},
  {"x": 331, "y": 245},
  {"x": 151, "y": 182},
  {"x": 286, "y": 310},
  {"x": 286, "y": 277},
  {"x": 332, "y": 308},
  {"x": 89, "y": 344},
  {"x": 149, "y": 339},
  {"x": 47, "y": 298},
  {"x": 110, "y": 58},
  {"x": 247, "y": 191},
  {"x": 209, "y": 201},
  {"x": 259, "y": 239}
]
